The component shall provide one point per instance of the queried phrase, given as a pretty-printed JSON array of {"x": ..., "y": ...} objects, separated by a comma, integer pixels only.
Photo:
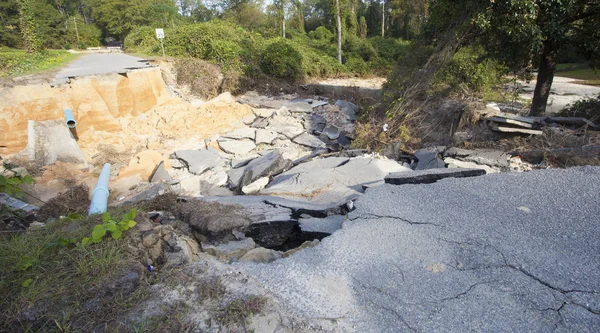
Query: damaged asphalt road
[{"x": 510, "y": 252}]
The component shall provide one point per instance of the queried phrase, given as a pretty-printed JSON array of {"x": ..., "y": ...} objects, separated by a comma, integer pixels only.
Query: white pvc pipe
[
  {"x": 69, "y": 120},
  {"x": 100, "y": 193}
]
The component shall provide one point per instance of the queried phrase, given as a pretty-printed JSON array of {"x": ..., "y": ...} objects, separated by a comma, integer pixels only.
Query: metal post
[
  {"x": 162, "y": 46},
  {"x": 76, "y": 31}
]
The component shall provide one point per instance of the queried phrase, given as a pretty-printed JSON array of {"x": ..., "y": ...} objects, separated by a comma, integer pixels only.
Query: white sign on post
[{"x": 160, "y": 34}]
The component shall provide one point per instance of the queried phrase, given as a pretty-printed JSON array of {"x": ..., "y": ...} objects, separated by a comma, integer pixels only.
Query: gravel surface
[{"x": 510, "y": 252}]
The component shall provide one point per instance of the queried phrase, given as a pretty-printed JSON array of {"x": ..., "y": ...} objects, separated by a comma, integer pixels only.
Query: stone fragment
[
  {"x": 320, "y": 227},
  {"x": 429, "y": 158},
  {"x": 305, "y": 245},
  {"x": 308, "y": 140},
  {"x": 348, "y": 108},
  {"x": 199, "y": 161},
  {"x": 265, "y": 136},
  {"x": 229, "y": 251},
  {"x": 296, "y": 107},
  {"x": 261, "y": 255},
  {"x": 264, "y": 113},
  {"x": 236, "y": 147},
  {"x": 332, "y": 132},
  {"x": 264, "y": 166},
  {"x": 260, "y": 123},
  {"x": 255, "y": 186},
  {"x": 160, "y": 174}
]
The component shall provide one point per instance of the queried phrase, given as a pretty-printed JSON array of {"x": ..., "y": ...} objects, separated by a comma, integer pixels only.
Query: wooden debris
[
  {"x": 505, "y": 129},
  {"x": 510, "y": 121}
]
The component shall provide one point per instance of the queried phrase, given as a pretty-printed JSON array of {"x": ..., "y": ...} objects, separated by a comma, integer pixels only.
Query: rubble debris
[
  {"x": 236, "y": 147},
  {"x": 265, "y": 166},
  {"x": 16, "y": 204},
  {"x": 505, "y": 129},
  {"x": 309, "y": 140},
  {"x": 429, "y": 158},
  {"x": 160, "y": 174},
  {"x": 229, "y": 251},
  {"x": 511, "y": 121},
  {"x": 318, "y": 228},
  {"x": 348, "y": 108},
  {"x": 51, "y": 141},
  {"x": 430, "y": 176},
  {"x": 198, "y": 161}
]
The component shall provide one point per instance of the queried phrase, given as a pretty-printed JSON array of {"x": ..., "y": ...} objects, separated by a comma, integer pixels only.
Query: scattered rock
[
  {"x": 288, "y": 126},
  {"x": 492, "y": 158},
  {"x": 143, "y": 164},
  {"x": 150, "y": 238},
  {"x": 264, "y": 166},
  {"x": 332, "y": 132},
  {"x": 255, "y": 186},
  {"x": 264, "y": 113},
  {"x": 261, "y": 255},
  {"x": 236, "y": 147},
  {"x": 349, "y": 109},
  {"x": 458, "y": 164},
  {"x": 198, "y": 161},
  {"x": 429, "y": 158},
  {"x": 160, "y": 174},
  {"x": 260, "y": 123},
  {"x": 308, "y": 140},
  {"x": 238, "y": 162},
  {"x": 316, "y": 123}
]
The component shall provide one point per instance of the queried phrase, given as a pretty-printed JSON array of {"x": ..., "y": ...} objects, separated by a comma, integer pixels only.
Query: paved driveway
[{"x": 510, "y": 252}]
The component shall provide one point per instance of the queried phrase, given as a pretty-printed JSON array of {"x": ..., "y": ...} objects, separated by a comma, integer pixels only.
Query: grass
[
  {"x": 48, "y": 283},
  {"x": 579, "y": 71},
  {"x": 15, "y": 62}
]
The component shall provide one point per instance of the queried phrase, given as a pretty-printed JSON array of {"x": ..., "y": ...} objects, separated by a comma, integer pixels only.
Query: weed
[
  {"x": 239, "y": 311},
  {"x": 112, "y": 227}
]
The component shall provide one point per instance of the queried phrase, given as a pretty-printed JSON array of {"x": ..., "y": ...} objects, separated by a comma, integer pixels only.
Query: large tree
[{"x": 533, "y": 32}]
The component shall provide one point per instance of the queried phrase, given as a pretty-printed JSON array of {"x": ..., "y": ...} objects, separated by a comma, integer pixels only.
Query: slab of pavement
[
  {"x": 506, "y": 252},
  {"x": 100, "y": 63}
]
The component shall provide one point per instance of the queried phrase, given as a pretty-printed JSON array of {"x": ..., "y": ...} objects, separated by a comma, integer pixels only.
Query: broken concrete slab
[
  {"x": 316, "y": 123},
  {"x": 271, "y": 233},
  {"x": 459, "y": 164},
  {"x": 510, "y": 121},
  {"x": 16, "y": 204},
  {"x": 260, "y": 123},
  {"x": 255, "y": 186},
  {"x": 198, "y": 161},
  {"x": 264, "y": 166},
  {"x": 288, "y": 126},
  {"x": 238, "y": 162},
  {"x": 160, "y": 174},
  {"x": 430, "y": 176},
  {"x": 236, "y": 147},
  {"x": 492, "y": 158},
  {"x": 348, "y": 108},
  {"x": 331, "y": 180},
  {"x": 428, "y": 158},
  {"x": 309, "y": 140},
  {"x": 320, "y": 227},
  {"x": 505, "y": 129},
  {"x": 241, "y": 133},
  {"x": 298, "y": 107},
  {"x": 264, "y": 113},
  {"x": 265, "y": 136}
]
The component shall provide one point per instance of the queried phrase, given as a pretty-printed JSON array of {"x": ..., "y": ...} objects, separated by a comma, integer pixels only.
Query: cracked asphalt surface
[{"x": 510, "y": 252}]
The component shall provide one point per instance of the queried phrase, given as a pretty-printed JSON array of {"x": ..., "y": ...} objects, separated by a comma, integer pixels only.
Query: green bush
[
  {"x": 355, "y": 46},
  {"x": 17, "y": 62},
  {"x": 282, "y": 60},
  {"x": 357, "y": 66},
  {"x": 586, "y": 108},
  {"x": 469, "y": 68},
  {"x": 322, "y": 34},
  {"x": 390, "y": 49},
  {"x": 142, "y": 39}
]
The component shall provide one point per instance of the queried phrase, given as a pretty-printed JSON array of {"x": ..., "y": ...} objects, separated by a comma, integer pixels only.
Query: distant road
[{"x": 100, "y": 63}]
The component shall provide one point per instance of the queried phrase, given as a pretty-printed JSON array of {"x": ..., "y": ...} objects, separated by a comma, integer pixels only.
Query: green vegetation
[
  {"x": 110, "y": 226},
  {"x": 579, "y": 71},
  {"x": 587, "y": 108},
  {"x": 18, "y": 62},
  {"x": 49, "y": 283}
]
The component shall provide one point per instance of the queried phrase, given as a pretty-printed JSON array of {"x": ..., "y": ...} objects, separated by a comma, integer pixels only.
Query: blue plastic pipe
[
  {"x": 100, "y": 194},
  {"x": 70, "y": 121}
]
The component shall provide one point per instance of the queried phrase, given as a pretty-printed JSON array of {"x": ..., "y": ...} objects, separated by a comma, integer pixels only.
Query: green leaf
[
  {"x": 24, "y": 264},
  {"x": 106, "y": 217},
  {"x": 131, "y": 224},
  {"x": 28, "y": 179},
  {"x": 116, "y": 234},
  {"x": 98, "y": 232},
  {"x": 27, "y": 283},
  {"x": 111, "y": 226},
  {"x": 130, "y": 215},
  {"x": 74, "y": 216},
  {"x": 85, "y": 241}
]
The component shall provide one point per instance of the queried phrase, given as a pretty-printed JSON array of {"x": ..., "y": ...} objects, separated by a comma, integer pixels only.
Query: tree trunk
[
  {"x": 339, "y": 31},
  {"x": 382, "y": 18},
  {"x": 283, "y": 25},
  {"x": 544, "y": 79}
]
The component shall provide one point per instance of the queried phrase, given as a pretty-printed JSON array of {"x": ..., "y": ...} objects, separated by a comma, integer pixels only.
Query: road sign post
[{"x": 160, "y": 34}]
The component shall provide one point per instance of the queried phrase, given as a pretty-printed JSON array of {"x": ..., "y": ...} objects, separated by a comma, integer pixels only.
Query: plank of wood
[
  {"x": 504, "y": 129},
  {"x": 510, "y": 121}
]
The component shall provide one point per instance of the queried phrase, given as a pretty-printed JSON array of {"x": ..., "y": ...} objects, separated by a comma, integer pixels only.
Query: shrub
[
  {"x": 390, "y": 49},
  {"x": 469, "y": 69},
  {"x": 142, "y": 39},
  {"x": 357, "y": 66},
  {"x": 282, "y": 60},
  {"x": 322, "y": 34},
  {"x": 586, "y": 108},
  {"x": 355, "y": 46}
]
